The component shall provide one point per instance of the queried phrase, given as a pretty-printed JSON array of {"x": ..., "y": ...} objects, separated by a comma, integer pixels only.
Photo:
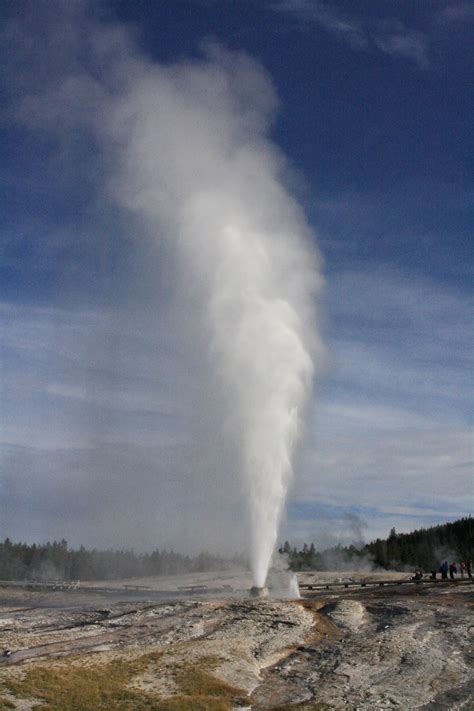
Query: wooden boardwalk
[
  {"x": 131, "y": 589},
  {"x": 381, "y": 583}
]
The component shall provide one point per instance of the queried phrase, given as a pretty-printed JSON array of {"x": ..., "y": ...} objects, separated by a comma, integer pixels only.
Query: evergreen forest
[{"x": 425, "y": 548}]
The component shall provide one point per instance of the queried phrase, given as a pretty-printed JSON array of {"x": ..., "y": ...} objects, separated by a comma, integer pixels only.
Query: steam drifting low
[{"x": 188, "y": 152}]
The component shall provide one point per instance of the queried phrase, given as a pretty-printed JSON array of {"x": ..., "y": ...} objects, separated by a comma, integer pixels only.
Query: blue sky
[{"x": 373, "y": 112}]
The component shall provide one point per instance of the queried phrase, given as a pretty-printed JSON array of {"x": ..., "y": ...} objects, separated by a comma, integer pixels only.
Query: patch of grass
[
  {"x": 195, "y": 703},
  {"x": 302, "y": 707},
  {"x": 210, "y": 662},
  {"x": 73, "y": 687},
  {"x": 6, "y": 704},
  {"x": 197, "y": 681}
]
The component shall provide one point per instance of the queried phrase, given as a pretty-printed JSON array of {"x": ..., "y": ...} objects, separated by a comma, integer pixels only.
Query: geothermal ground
[{"x": 198, "y": 642}]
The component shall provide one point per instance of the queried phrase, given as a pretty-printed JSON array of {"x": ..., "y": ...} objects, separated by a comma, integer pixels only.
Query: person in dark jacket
[
  {"x": 443, "y": 569},
  {"x": 452, "y": 570}
]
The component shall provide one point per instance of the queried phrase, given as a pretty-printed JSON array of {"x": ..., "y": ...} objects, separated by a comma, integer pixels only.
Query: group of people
[
  {"x": 464, "y": 568},
  {"x": 452, "y": 569}
]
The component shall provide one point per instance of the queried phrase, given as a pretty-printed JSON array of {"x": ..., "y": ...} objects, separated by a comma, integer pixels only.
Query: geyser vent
[{"x": 255, "y": 591}]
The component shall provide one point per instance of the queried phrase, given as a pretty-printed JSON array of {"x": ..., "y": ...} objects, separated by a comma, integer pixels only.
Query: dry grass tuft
[
  {"x": 195, "y": 703},
  {"x": 69, "y": 686},
  {"x": 302, "y": 707},
  {"x": 74, "y": 688},
  {"x": 194, "y": 680}
]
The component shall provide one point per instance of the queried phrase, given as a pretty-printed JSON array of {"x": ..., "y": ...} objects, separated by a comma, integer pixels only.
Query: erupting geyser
[{"x": 197, "y": 166}]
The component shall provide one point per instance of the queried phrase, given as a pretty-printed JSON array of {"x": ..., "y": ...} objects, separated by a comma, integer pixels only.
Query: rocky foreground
[{"x": 367, "y": 648}]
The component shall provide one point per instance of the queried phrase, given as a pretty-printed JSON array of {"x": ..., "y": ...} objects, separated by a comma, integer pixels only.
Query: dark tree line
[
  {"x": 55, "y": 561},
  {"x": 425, "y": 548}
]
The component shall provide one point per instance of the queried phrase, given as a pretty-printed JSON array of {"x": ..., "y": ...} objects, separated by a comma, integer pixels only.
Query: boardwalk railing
[
  {"x": 380, "y": 583},
  {"x": 41, "y": 584}
]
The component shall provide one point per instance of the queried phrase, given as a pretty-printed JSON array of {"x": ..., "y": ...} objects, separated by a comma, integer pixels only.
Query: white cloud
[
  {"x": 98, "y": 442},
  {"x": 391, "y": 434},
  {"x": 110, "y": 432},
  {"x": 185, "y": 150},
  {"x": 100, "y": 395},
  {"x": 352, "y": 414},
  {"x": 395, "y": 39},
  {"x": 404, "y": 337},
  {"x": 456, "y": 12},
  {"x": 418, "y": 512},
  {"x": 391, "y": 37},
  {"x": 347, "y": 28}
]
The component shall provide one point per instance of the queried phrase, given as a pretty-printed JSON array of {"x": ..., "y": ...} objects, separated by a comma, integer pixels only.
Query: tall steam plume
[
  {"x": 187, "y": 151},
  {"x": 196, "y": 164}
]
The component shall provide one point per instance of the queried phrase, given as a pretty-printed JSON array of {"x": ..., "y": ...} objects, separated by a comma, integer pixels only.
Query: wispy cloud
[
  {"x": 392, "y": 426},
  {"x": 102, "y": 407},
  {"x": 457, "y": 12},
  {"x": 402, "y": 338},
  {"x": 347, "y": 28},
  {"x": 98, "y": 441},
  {"x": 391, "y": 37},
  {"x": 407, "y": 478},
  {"x": 94, "y": 396}
]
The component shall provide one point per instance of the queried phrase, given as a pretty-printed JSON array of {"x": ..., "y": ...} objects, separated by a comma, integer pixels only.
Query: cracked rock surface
[
  {"x": 362, "y": 649},
  {"x": 410, "y": 650}
]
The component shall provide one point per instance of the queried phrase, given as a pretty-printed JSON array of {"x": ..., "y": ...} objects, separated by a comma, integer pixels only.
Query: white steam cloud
[
  {"x": 195, "y": 163},
  {"x": 187, "y": 150}
]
